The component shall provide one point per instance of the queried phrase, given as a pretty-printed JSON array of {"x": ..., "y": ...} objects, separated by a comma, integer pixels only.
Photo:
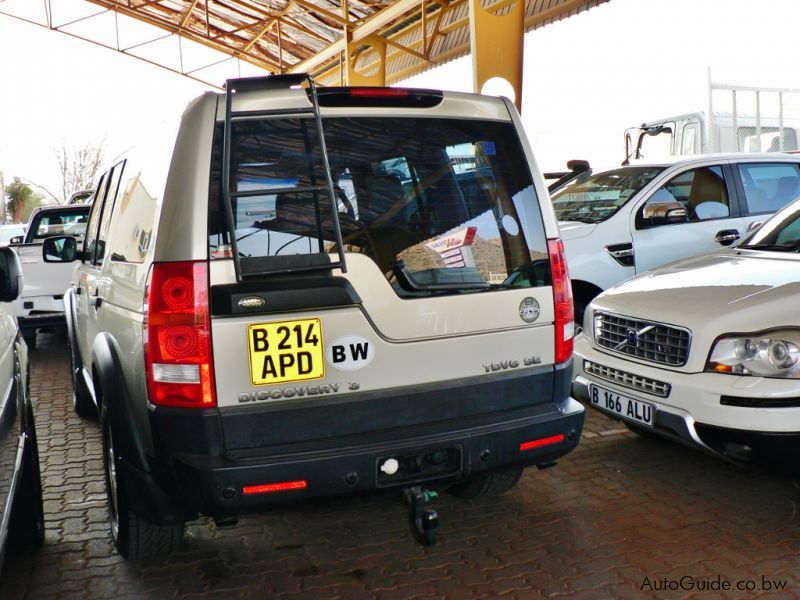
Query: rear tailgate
[
  {"x": 45, "y": 283},
  {"x": 415, "y": 361}
]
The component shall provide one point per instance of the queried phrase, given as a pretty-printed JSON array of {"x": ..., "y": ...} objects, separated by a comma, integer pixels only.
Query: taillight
[
  {"x": 271, "y": 488},
  {"x": 562, "y": 301},
  {"x": 541, "y": 442},
  {"x": 177, "y": 336},
  {"x": 378, "y": 92},
  {"x": 378, "y": 97}
]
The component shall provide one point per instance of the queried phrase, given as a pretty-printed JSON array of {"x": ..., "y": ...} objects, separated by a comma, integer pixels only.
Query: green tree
[{"x": 21, "y": 200}]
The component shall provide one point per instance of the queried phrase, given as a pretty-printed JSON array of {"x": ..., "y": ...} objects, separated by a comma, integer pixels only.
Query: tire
[
  {"x": 133, "y": 536},
  {"x": 27, "y": 515},
  {"x": 82, "y": 402},
  {"x": 488, "y": 485}
]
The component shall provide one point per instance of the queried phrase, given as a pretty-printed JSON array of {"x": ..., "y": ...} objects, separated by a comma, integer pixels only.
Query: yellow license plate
[{"x": 286, "y": 351}]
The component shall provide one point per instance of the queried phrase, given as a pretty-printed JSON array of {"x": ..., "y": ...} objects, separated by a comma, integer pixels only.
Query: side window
[
  {"x": 90, "y": 240},
  {"x": 656, "y": 145},
  {"x": 137, "y": 215},
  {"x": 689, "y": 139},
  {"x": 769, "y": 187},
  {"x": 701, "y": 191},
  {"x": 108, "y": 210}
]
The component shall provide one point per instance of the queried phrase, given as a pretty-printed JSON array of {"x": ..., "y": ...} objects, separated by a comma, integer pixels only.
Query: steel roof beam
[{"x": 370, "y": 26}]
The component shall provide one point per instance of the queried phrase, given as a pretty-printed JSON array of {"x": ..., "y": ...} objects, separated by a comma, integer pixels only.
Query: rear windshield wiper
[
  {"x": 408, "y": 283},
  {"x": 792, "y": 246}
]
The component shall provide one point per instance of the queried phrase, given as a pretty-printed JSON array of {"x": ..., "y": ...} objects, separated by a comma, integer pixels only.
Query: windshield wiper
[
  {"x": 578, "y": 219},
  {"x": 407, "y": 282},
  {"x": 792, "y": 246}
]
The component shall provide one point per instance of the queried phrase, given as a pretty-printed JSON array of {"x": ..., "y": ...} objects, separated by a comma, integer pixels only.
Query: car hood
[
  {"x": 713, "y": 294},
  {"x": 572, "y": 230}
]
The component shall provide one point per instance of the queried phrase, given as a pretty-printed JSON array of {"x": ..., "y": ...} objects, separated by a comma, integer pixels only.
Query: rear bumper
[
  {"x": 203, "y": 460},
  {"x": 214, "y": 485}
]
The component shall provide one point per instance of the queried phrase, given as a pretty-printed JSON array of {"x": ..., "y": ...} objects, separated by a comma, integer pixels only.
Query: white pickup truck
[{"x": 41, "y": 304}]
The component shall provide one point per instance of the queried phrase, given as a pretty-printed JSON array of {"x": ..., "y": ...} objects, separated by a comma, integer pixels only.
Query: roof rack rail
[{"x": 288, "y": 264}]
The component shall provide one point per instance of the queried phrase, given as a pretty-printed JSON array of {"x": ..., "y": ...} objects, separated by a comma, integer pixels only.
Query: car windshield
[
  {"x": 440, "y": 205},
  {"x": 594, "y": 198},
  {"x": 781, "y": 233}
]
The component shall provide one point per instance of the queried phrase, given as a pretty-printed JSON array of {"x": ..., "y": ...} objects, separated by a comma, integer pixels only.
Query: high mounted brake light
[
  {"x": 562, "y": 302},
  {"x": 177, "y": 336},
  {"x": 378, "y": 92},
  {"x": 379, "y": 97}
]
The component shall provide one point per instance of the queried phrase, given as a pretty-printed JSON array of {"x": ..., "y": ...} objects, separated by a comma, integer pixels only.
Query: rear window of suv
[{"x": 438, "y": 204}]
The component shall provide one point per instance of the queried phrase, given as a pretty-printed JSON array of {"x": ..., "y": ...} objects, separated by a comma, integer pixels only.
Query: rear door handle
[{"x": 727, "y": 236}]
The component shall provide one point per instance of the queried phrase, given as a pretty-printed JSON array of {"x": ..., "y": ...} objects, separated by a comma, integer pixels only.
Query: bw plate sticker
[{"x": 350, "y": 352}]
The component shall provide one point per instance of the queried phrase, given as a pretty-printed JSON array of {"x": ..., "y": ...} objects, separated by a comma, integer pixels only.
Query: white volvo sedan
[{"x": 706, "y": 350}]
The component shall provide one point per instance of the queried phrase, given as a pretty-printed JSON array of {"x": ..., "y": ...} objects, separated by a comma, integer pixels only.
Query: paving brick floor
[{"x": 613, "y": 520}]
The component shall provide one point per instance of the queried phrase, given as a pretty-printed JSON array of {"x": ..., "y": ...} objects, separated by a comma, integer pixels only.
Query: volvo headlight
[{"x": 768, "y": 354}]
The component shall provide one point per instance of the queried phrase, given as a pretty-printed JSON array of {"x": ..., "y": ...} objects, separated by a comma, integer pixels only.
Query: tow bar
[{"x": 424, "y": 522}]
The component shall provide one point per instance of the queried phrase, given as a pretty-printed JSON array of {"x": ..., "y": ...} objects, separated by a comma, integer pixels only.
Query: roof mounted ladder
[{"x": 269, "y": 265}]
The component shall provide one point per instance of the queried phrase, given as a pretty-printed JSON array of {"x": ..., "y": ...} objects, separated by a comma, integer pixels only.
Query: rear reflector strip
[
  {"x": 269, "y": 488},
  {"x": 548, "y": 441}
]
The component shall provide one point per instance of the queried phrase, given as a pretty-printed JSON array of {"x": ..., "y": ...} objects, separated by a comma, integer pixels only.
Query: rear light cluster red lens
[
  {"x": 177, "y": 336},
  {"x": 562, "y": 301}
]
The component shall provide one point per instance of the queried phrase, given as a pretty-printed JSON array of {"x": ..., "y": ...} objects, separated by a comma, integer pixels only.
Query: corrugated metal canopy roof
[{"x": 309, "y": 35}]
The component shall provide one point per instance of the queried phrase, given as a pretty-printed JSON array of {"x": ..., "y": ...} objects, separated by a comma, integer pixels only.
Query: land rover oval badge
[
  {"x": 251, "y": 302},
  {"x": 529, "y": 310}
]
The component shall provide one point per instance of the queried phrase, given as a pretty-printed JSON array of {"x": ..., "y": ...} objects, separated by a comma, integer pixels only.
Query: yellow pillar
[
  {"x": 377, "y": 73},
  {"x": 497, "y": 42}
]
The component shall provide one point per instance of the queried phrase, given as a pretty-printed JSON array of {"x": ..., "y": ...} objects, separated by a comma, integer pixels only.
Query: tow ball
[{"x": 423, "y": 522}]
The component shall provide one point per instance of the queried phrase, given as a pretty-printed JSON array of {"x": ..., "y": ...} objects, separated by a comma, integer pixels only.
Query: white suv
[
  {"x": 254, "y": 335},
  {"x": 619, "y": 223},
  {"x": 705, "y": 351}
]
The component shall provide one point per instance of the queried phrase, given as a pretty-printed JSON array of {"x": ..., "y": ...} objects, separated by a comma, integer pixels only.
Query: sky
[{"x": 585, "y": 80}]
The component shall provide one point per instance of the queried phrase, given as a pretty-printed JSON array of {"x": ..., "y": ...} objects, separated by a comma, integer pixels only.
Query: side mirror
[
  {"x": 11, "y": 281},
  {"x": 754, "y": 226},
  {"x": 17, "y": 239},
  {"x": 61, "y": 249},
  {"x": 664, "y": 213}
]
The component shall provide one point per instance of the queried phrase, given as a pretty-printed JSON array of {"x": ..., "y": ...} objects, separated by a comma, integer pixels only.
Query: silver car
[
  {"x": 21, "y": 510},
  {"x": 288, "y": 313}
]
